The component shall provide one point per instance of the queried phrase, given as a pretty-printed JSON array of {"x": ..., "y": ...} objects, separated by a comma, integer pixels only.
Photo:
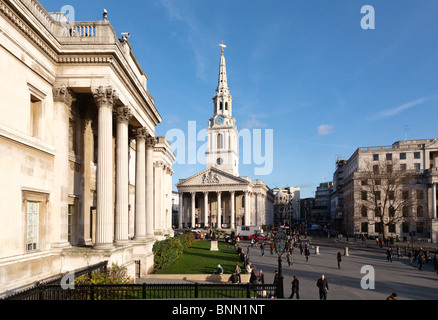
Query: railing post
[
  {"x": 248, "y": 290},
  {"x": 92, "y": 292},
  {"x": 144, "y": 290},
  {"x": 196, "y": 290}
]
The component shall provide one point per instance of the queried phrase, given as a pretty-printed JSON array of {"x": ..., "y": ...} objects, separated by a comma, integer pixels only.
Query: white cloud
[
  {"x": 325, "y": 129},
  {"x": 254, "y": 123},
  {"x": 394, "y": 111}
]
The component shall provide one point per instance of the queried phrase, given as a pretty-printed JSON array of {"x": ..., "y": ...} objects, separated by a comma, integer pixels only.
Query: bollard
[
  {"x": 316, "y": 249},
  {"x": 346, "y": 252}
]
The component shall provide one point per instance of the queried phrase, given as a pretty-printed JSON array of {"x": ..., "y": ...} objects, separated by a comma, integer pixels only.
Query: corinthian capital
[
  {"x": 63, "y": 94},
  {"x": 141, "y": 133},
  {"x": 123, "y": 114},
  {"x": 105, "y": 96},
  {"x": 151, "y": 141}
]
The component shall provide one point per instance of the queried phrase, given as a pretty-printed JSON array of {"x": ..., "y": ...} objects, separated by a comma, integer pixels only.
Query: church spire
[{"x": 222, "y": 87}]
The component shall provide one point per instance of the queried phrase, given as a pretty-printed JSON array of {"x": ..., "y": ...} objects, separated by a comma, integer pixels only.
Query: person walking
[
  {"x": 289, "y": 259},
  {"x": 307, "y": 252},
  {"x": 322, "y": 284},
  {"x": 339, "y": 258},
  {"x": 420, "y": 261},
  {"x": 262, "y": 249},
  {"x": 253, "y": 274},
  {"x": 389, "y": 254},
  {"x": 272, "y": 247},
  {"x": 301, "y": 248},
  {"x": 276, "y": 277},
  {"x": 261, "y": 277},
  {"x": 393, "y": 296},
  {"x": 295, "y": 288}
]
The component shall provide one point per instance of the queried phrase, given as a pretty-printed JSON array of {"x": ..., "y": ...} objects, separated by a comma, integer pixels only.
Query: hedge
[{"x": 168, "y": 250}]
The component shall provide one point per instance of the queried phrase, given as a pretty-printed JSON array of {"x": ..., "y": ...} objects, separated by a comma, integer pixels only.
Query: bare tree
[{"x": 386, "y": 190}]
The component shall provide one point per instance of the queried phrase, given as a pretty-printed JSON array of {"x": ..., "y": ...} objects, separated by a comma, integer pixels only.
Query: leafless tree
[{"x": 386, "y": 189}]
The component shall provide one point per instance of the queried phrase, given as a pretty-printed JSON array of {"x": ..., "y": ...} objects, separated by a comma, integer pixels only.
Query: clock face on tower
[
  {"x": 219, "y": 161},
  {"x": 219, "y": 120}
]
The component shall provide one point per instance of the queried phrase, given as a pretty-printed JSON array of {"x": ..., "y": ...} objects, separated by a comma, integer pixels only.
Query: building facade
[
  {"x": 286, "y": 206},
  {"x": 218, "y": 197},
  {"x": 84, "y": 179},
  {"x": 418, "y": 216},
  {"x": 321, "y": 211}
]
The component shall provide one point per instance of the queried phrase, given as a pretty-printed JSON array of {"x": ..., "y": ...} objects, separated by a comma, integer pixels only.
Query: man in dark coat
[{"x": 322, "y": 284}]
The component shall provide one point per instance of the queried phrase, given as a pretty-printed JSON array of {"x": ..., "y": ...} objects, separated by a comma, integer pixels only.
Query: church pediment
[{"x": 211, "y": 177}]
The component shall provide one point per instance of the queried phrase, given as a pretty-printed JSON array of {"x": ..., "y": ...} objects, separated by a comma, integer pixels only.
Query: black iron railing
[{"x": 151, "y": 291}]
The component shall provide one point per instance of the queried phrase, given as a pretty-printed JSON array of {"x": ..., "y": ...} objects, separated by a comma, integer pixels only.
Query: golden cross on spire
[{"x": 222, "y": 45}]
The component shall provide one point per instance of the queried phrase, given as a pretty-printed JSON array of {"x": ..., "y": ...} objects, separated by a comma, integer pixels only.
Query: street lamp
[{"x": 280, "y": 240}]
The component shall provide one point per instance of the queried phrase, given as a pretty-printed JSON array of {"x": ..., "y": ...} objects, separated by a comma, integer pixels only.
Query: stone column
[
  {"x": 105, "y": 98},
  {"x": 205, "y": 208},
  {"x": 219, "y": 209},
  {"x": 123, "y": 115},
  {"x": 180, "y": 210},
  {"x": 140, "y": 184},
  {"x": 233, "y": 218},
  {"x": 63, "y": 99},
  {"x": 150, "y": 144},
  {"x": 192, "y": 207},
  {"x": 247, "y": 209},
  {"x": 158, "y": 195},
  {"x": 434, "y": 213}
]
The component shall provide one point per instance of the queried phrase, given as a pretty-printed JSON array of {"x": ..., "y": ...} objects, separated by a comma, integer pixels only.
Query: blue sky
[{"x": 303, "y": 68}]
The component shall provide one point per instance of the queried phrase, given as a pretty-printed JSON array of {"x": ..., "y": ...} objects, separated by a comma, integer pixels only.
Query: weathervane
[{"x": 222, "y": 45}]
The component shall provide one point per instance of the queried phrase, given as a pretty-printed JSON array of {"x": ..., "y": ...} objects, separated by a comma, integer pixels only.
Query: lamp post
[{"x": 280, "y": 240}]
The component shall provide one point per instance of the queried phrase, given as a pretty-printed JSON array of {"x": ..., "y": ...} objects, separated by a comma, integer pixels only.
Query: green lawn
[{"x": 198, "y": 259}]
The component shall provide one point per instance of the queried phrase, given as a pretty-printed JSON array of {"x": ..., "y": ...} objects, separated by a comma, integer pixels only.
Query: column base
[{"x": 103, "y": 246}]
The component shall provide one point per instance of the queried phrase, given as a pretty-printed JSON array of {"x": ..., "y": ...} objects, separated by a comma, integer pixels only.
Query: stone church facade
[
  {"x": 218, "y": 197},
  {"x": 84, "y": 178}
]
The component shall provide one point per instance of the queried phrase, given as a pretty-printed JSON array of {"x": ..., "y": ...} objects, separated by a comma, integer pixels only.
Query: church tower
[{"x": 222, "y": 150}]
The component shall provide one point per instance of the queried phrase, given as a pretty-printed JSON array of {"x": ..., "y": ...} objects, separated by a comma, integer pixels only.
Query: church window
[
  {"x": 226, "y": 105},
  {"x": 220, "y": 141}
]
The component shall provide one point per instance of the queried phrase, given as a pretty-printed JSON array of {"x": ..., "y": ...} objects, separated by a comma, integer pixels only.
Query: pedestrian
[
  {"x": 238, "y": 271},
  {"x": 393, "y": 296},
  {"x": 339, "y": 258},
  {"x": 248, "y": 268},
  {"x": 272, "y": 247},
  {"x": 276, "y": 277},
  {"x": 307, "y": 252},
  {"x": 389, "y": 254},
  {"x": 322, "y": 284},
  {"x": 289, "y": 258},
  {"x": 410, "y": 256},
  {"x": 398, "y": 251},
  {"x": 295, "y": 288},
  {"x": 234, "y": 278},
  {"x": 301, "y": 248},
  {"x": 261, "y": 277},
  {"x": 262, "y": 249},
  {"x": 420, "y": 261},
  {"x": 253, "y": 274}
]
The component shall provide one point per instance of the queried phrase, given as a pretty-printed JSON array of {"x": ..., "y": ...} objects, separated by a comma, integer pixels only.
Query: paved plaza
[{"x": 345, "y": 284}]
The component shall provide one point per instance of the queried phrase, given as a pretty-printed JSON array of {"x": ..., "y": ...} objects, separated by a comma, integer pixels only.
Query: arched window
[
  {"x": 220, "y": 141},
  {"x": 226, "y": 105},
  {"x": 221, "y": 106}
]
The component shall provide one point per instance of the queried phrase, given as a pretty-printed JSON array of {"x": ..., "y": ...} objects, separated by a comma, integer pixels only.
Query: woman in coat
[{"x": 295, "y": 288}]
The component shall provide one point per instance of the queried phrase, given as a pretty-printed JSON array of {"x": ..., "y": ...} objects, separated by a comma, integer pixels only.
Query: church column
[
  {"x": 158, "y": 195},
  {"x": 193, "y": 204},
  {"x": 219, "y": 209},
  {"x": 205, "y": 208},
  {"x": 105, "y": 98},
  {"x": 62, "y": 99},
  {"x": 123, "y": 114},
  {"x": 233, "y": 225},
  {"x": 140, "y": 184},
  {"x": 434, "y": 211},
  {"x": 247, "y": 210},
  {"x": 180, "y": 211},
  {"x": 150, "y": 144}
]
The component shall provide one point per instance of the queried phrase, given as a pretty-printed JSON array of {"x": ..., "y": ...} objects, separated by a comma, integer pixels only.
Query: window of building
[
  {"x": 417, "y": 155},
  {"x": 405, "y": 227},
  {"x": 405, "y": 211},
  {"x": 391, "y": 227},
  {"x": 377, "y": 195},
  {"x": 70, "y": 214},
  {"x": 220, "y": 141},
  {"x": 364, "y": 195},
  {"x": 420, "y": 194},
  {"x": 375, "y": 157},
  {"x": 36, "y": 113},
  {"x": 378, "y": 227},
  {"x": 417, "y": 167},
  {"x": 420, "y": 211},
  {"x": 364, "y": 212},
  {"x": 391, "y": 195},
  {"x": 391, "y": 211},
  {"x": 405, "y": 194},
  {"x": 364, "y": 227},
  {"x": 403, "y": 167},
  {"x": 389, "y": 156},
  {"x": 389, "y": 168},
  {"x": 403, "y": 156},
  {"x": 376, "y": 168},
  {"x": 32, "y": 225},
  {"x": 364, "y": 182},
  {"x": 420, "y": 227}
]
